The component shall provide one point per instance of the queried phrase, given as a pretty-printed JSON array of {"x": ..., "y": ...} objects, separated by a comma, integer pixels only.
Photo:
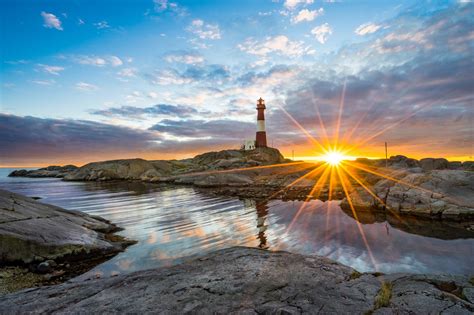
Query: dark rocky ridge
[
  {"x": 50, "y": 171},
  {"x": 251, "y": 281}
]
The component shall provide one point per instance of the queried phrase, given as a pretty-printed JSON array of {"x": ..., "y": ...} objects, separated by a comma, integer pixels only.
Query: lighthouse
[{"x": 261, "y": 138}]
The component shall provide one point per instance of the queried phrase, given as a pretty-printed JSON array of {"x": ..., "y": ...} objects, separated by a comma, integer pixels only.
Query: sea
[{"x": 173, "y": 224}]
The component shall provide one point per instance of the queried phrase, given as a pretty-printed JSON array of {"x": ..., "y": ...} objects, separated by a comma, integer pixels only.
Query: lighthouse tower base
[{"x": 261, "y": 139}]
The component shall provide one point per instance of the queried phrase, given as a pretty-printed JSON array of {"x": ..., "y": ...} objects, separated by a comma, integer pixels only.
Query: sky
[{"x": 84, "y": 81}]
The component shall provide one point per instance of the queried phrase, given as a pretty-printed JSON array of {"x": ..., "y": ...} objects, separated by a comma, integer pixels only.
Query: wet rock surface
[{"x": 247, "y": 280}]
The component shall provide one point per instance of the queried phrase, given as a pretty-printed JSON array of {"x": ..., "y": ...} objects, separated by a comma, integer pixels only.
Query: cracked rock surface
[{"x": 249, "y": 281}]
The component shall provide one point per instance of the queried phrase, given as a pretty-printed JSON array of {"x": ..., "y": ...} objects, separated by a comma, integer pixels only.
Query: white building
[{"x": 249, "y": 144}]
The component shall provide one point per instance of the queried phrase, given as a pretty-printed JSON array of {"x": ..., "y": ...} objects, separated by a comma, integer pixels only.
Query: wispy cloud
[
  {"x": 127, "y": 73},
  {"x": 50, "y": 69},
  {"x": 44, "y": 82},
  {"x": 204, "y": 30},
  {"x": 322, "y": 32},
  {"x": 51, "y": 21},
  {"x": 86, "y": 87},
  {"x": 279, "y": 44},
  {"x": 98, "y": 61},
  {"x": 175, "y": 111},
  {"x": 307, "y": 15},
  {"x": 184, "y": 57},
  {"x": 293, "y": 4},
  {"x": 367, "y": 28},
  {"x": 101, "y": 25}
]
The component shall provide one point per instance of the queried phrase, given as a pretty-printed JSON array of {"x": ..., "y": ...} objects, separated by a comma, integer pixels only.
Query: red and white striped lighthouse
[{"x": 261, "y": 140}]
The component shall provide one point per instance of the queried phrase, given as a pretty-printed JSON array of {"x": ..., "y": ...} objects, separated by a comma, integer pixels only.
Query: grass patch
[{"x": 385, "y": 294}]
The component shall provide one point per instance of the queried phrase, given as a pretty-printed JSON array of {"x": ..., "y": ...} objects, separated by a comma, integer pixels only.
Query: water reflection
[{"x": 173, "y": 224}]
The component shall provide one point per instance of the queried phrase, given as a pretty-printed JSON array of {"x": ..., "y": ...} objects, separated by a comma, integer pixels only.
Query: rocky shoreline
[
  {"x": 429, "y": 188},
  {"x": 252, "y": 281},
  {"x": 44, "y": 244}
]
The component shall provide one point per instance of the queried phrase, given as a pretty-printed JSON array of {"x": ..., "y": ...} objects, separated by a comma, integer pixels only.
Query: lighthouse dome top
[{"x": 260, "y": 103}]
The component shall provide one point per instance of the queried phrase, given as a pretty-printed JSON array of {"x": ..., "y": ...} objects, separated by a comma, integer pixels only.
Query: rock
[
  {"x": 447, "y": 194},
  {"x": 46, "y": 266},
  {"x": 50, "y": 171},
  {"x": 468, "y": 165},
  {"x": 429, "y": 164},
  {"x": 222, "y": 179},
  {"x": 247, "y": 280},
  {"x": 31, "y": 231},
  {"x": 400, "y": 161},
  {"x": 455, "y": 165},
  {"x": 132, "y": 169}
]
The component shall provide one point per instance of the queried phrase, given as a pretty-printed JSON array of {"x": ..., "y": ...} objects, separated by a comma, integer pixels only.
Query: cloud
[
  {"x": 367, "y": 28},
  {"x": 51, "y": 69},
  {"x": 184, "y": 57},
  {"x": 101, "y": 25},
  {"x": 162, "y": 6},
  {"x": 98, "y": 61},
  {"x": 293, "y": 4},
  {"x": 322, "y": 32},
  {"x": 44, "y": 82},
  {"x": 127, "y": 73},
  {"x": 32, "y": 139},
  {"x": 87, "y": 87},
  {"x": 115, "y": 61},
  {"x": 307, "y": 15},
  {"x": 204, "y": 30},
  {"x": 175, "y": 111},
  {"x": 51, "y": 21},
  {"x": 191, "y": 74},
  {"x": 279, "y": 44},
  {"x": 222, "y": 129}
]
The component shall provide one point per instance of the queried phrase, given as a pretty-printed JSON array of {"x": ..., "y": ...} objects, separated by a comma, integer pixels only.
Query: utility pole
[
  {"x": 386, "y": 155},
  {"x": 293, "y": 154}
]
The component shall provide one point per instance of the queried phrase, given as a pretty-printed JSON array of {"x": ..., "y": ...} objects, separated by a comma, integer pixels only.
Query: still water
[{"x": 173, "y": 224}]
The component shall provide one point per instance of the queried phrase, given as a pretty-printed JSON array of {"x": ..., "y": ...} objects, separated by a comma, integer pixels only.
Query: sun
[{"x": 333, "y": 158}]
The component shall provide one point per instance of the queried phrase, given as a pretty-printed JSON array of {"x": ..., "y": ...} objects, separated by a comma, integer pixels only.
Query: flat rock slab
[
  {"x": 33, "y": 231},
  {"x": 249, "y": 281}
]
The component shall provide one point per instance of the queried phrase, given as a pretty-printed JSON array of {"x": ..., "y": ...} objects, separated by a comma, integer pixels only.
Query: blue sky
[{"x": 175, "y": 78}]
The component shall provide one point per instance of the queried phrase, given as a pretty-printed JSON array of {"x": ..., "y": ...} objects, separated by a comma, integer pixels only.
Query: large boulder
[
  {"x": 33, "y": 231},
  {"x": 250, "y": 281},
  {"x": 400, "y": 161},
  {"x": 429, "y": 164}
]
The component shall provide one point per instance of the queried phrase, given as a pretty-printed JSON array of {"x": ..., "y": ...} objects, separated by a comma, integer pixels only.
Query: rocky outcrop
[
  {"x": 139, "y": 169},
  {"x": 247, "y": 280},
  {"x": 447, "y": 194},
  {"x": 133, "y": 169},
  {"x": 50, "y": 171},
  {"x": 33, "y": 232}
]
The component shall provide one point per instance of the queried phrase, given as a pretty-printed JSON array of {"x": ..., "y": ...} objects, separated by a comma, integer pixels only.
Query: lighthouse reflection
[{"x": 261, "y": 208}]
